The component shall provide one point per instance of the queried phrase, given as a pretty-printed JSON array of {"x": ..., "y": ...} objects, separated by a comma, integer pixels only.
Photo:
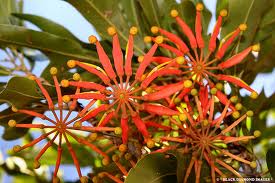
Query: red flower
[
  {"x": 121, "y": 96},
  {"x": 206, "y": 138},
  {"x": 196, "y": 64},
  {"x": 60, "y": 126}
]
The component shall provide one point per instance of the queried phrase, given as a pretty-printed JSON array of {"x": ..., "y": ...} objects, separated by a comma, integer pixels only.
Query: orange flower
[
  {"x": 121, "y": 96},
  {"x": 195, "y": 63},
  {"x": 61, "y": 127},
  {"x": 207, "y": 138}
]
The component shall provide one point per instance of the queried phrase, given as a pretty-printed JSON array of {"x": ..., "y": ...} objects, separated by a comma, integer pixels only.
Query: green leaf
[
  {"x": 47, "y": 43},
  {"x": 19, "y": 92},
  {"x": 6, "y": 8},
  {"x": 13, "y": 133},
  {"x": 270, "y": 159},
  {"x": 103, "y": 14},
  {"x": 251, "y": 14},
  {"x": 47, "y": 25},
  {"x": 151, "y": 11},
  {"x": 153, "y": 168}
]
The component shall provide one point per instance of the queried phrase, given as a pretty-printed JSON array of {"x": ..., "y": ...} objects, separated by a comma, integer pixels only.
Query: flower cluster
[{"x": 132, "y": 105}]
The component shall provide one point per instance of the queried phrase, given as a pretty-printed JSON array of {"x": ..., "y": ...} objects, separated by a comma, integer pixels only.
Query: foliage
[{"x": 161, "y": 108}]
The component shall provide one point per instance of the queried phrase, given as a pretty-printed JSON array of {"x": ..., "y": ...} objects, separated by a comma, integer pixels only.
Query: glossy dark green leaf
[
  {"x": 20, "y": 91},
  {"x": 154, "y": 168},
  {"x": 103, "y": 14},
  {"x": 270, "y": 159},
  {"x": 47, "y": 43},
  {"x": 251, "y": 14},
  {"x": 46, "y": 25}
]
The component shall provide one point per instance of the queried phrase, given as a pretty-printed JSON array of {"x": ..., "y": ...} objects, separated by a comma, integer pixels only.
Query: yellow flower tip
[
  {"x": 150, "y": 143},
  {"x": 174, "y": 13},
  {"x": 32, "y": 77},
  {"x": 16, "y": 148},
  {"x": 154, "y": 29},
  {"x": 194, "y": 92},
  {"x": 256, "y": 47},
  {"x": 71, "y": 63},
  {"x": 187, "y": 83},
  {"x": 223, "y": 13},
  {"x": 234, "y": 99},
  {"x": 236, "y": 114},
  {"x": 257, "y": 133},
  {"x": 65, "y": 83},
  {"x": 115, "y": 158},
  {"x": 53, "y": 70},
  {"x": 128, "y": 156},
  {"x": 66, "y": 98},
  {"x": 180, "y": 60},
  {"x": 177, "y": 100},
  {"x": 122, "y": 148},
  {"x": 76, "y": 77},
  {"x": 77, "y": 124},
  {"x": 254, "y": 95},
  {"x": 159, "y": 39},
  {"x": 118, "y": 130},
  {"x": 12, "y": 123},
  {"x": 205, "y": 122},
  {"x": 14, "y": 109},
  {"x": 243, "y": 27},
  {"x": 95, "y": 179},
  {"x": 182, "y": 117},
  {"x": 143, "y": 77},
  {"x": 56, "y": 180},
  {"x": 111, "y": 31},
  {"x": 133, "y": 30},
  {"x": 199, "y": 7},
  {"x": 213, "y": 91},
  {"x": 140, "y": 58},
  {"x": 92, "y": 39},
  {"x": 147, "y": 39},
  {"x": 93, "y": 136},
  {"x": 238, "y": 106},
  {"x": 249, "y": 113},
  {"x": 253, "y": 164},
  {"x": 219, "y": 86},
  {"x": 84, "y": 179},
  {"x": 101, "y": 175},
  {"x": 106, "y": 161},
  {"x": 149, "y": 90},
  {"x": 36, "y": 164}
]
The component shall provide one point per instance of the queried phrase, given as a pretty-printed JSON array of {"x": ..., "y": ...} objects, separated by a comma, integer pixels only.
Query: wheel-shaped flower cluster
[{"x": 180, "y": 111}]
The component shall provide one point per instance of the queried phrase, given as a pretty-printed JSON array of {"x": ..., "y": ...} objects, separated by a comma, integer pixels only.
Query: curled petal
[
  {"x": 175, "y": 39},
  {"x": 161, "y": 72},
  {"x": 140, "y": 125},
  {"x": 165, "y": 91},
  {"x": 146, "y": 61},
  {"x": 94, "y": 112},
  {"x": 95, "y": 71},
  {"x": 129, "y": 55},
  {"x": 106, "y": 119},
  {"x": 198, "y": 30},
  {"x": 156, "y": 125},
  {"x": 160, "y": 59},
  {"x": 88, "y": 85},
  {"x": 159, "y": 109},
  {"x": 187, "y": 31},
  {"x": 224, "y": 47},
  {"x": 236, "y": 81},
  {"x": 125, "y": 129},
  {"x": 212, "y": 41},
  {"x": 105, "y": 61},
  {"x": 235, "y": 59},
  {"x": 88, "y": 96},
  {"x": 117, "y": 55}
]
